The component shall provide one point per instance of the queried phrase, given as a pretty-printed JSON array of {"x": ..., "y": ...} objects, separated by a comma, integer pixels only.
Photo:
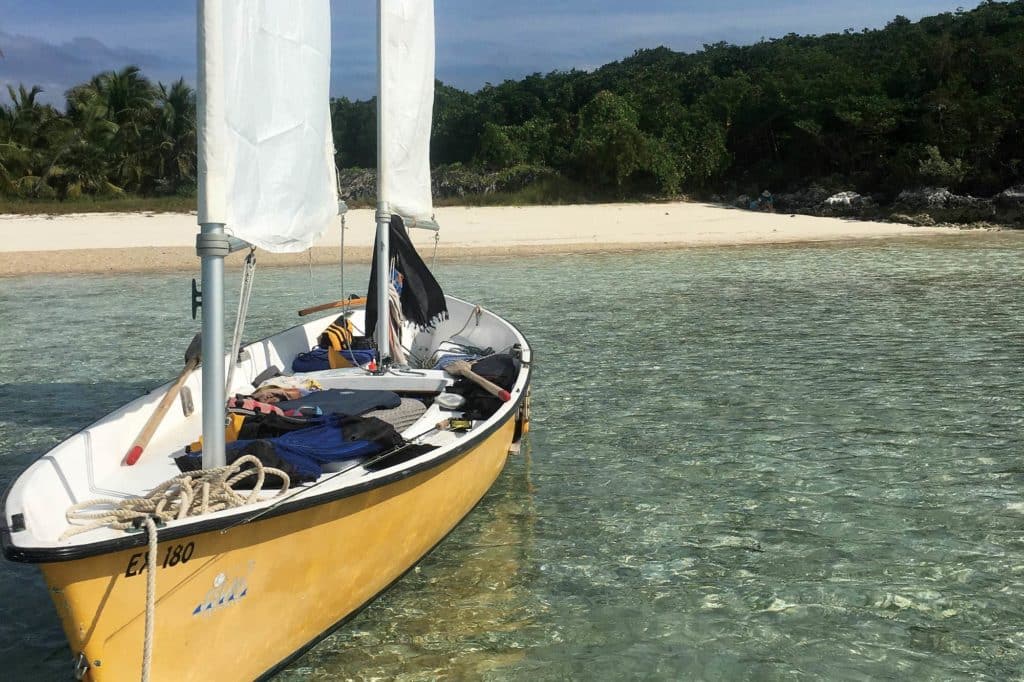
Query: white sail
[
  {"x": 267, "y": 155},
  {"x": 407, "y": 104}
]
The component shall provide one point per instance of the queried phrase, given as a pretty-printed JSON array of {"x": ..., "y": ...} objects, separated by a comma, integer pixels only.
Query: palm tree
[
  {"x": 25, "y": 113},
  {"x": 27, "y": 132},
  {"x": 174, "y": 133},
  {"x": 126, "y": 100},
  {"x": 131, "y": 105},
  {"x": 81, "y": 163}
]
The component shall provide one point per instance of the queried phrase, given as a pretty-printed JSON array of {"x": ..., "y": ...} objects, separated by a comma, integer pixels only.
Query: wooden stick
[
  {"x": 154, "y": 419},
  {"x": 348, "y": 302},
  {"x": 462, "y": 368},
  {"x": 192, "y": 356}
]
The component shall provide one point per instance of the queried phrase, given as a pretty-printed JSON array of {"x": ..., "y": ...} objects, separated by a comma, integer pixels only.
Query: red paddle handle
[{"x": 133, "y": 455}]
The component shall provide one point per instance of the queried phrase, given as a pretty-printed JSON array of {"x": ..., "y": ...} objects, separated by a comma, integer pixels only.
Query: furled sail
[
  {"x": 266, "y": 150},
  {"x": 407, "y": 103}
]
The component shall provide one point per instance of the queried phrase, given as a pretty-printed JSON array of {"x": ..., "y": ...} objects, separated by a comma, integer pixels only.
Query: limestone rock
[
  {"x": 920, "y": 220},
  {"x": 848, "y": 204},
  {"x": 944, "y": 206},
  {"x": 1010, "y": 205}
]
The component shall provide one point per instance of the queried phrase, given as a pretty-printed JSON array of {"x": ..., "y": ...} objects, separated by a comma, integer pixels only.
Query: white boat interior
[{"x": 89, "y": 465}]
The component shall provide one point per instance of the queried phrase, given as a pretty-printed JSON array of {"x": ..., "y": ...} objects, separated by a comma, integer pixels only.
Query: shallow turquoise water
[{"x": 745, "y": 463}]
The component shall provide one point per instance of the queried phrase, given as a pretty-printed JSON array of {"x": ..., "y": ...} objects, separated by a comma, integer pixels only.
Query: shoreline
[{"x": 97, "y": 243}]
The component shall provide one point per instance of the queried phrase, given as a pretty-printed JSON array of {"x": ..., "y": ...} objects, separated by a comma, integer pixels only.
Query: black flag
[{"x": 422, "y": 299}]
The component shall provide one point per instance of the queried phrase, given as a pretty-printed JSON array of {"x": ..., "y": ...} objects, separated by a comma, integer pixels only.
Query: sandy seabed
[{"x": 155, "y": 242}]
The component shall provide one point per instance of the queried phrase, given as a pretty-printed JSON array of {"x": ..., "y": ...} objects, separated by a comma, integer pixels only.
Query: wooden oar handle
[
  {"x": 490, "y": 387},
  {"x": 346, "y": 303},
  {"x": 461, "y": 367},
  {"x": 135, "y": 451}
]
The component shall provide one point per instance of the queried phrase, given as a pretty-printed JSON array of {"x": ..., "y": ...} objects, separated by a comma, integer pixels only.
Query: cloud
[{"x": 58, "y": 66}]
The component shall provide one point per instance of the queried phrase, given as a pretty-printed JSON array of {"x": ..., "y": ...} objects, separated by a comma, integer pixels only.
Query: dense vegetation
[{"x": 940, "y": 101}]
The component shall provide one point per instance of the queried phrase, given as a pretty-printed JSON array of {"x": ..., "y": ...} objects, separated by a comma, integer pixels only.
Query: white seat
[{"x": 397, "y": 380}]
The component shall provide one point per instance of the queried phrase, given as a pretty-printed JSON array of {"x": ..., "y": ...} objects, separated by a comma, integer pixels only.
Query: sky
[{"x": 60, "y": 43}]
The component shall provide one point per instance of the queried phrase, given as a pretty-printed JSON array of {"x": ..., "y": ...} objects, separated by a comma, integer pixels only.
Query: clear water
[{"x": 745, "y": 464}]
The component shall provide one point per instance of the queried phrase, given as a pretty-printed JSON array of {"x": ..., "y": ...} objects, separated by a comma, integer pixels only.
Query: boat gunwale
[{"x": 43, "y": 555}]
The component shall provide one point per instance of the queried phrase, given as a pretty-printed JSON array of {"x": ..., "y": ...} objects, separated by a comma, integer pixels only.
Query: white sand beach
[{"x": 143, "y": 242}]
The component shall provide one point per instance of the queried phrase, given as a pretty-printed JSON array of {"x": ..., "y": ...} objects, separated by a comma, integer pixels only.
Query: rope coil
[{"x": 190, "y": 494}]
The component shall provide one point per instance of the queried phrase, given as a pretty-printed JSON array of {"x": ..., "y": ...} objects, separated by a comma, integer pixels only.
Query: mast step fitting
[{"x": 216, "y": 244}]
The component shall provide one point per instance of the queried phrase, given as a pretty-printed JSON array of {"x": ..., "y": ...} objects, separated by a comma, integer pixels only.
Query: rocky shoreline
[{"x": 926, "y": 206}]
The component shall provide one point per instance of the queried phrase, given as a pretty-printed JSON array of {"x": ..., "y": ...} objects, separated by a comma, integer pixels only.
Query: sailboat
[{"x": 237, "y": 590}]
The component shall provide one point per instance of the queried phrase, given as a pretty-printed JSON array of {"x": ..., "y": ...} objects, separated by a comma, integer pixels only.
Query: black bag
[{"x": 501, "y": 369}]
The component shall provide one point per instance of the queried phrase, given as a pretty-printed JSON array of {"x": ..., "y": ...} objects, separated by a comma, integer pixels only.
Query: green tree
[
  {"x": 457, "y": 126},
  {"x": 174, "y": 138},
  {"x": 82, "y": 161},
  {"x": 609, "y": 144},
  {"x": 497, "y": 149},
  {"x": 117, "y": 109},
  {"x": 355, "y": 132},
  {"x": 28, "y": 131},
  {"x": 935, "y": 170}
]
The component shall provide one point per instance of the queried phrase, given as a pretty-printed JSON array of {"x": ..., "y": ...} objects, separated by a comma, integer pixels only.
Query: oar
[
  {"x": 462, "y": 368},
  {"x": 346, "y": 303},
  {"x": 191, "y": 362}
]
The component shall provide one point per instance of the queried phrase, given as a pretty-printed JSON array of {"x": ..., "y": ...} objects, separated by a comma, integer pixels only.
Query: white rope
[
  {"x": 476, "y": 312},
  {"x": 312, "y": 289},
  {"x": 397, "y": 322},
  {"x": 248, "y": 274},
  {"x": 190, "y": 494},
  {"x": 147, "y": 642}
]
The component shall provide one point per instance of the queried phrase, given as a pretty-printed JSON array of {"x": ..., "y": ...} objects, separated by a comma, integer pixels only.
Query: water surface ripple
[{"x": 745, "y": 464}]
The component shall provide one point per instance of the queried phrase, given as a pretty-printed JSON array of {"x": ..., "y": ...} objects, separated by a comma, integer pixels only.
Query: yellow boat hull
[{"x": 239, "y": 603}]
